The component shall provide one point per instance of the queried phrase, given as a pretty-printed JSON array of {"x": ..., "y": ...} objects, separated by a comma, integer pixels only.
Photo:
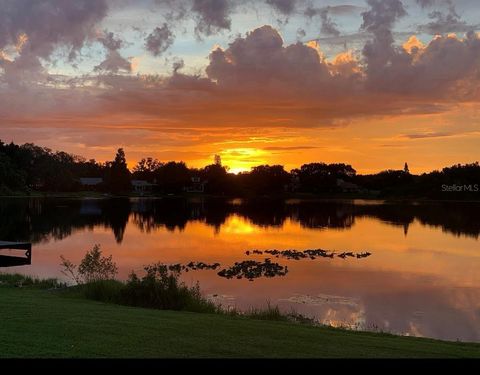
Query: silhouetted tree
[
  {"x": 218, "y": 179},
  {"x": 266, "y": 179},
  {"x": 117, "y": 174},
  {"x": 321, "y": 177},
  {"x": 145, "y": 169},
  {"x": 172, "y": 177}
]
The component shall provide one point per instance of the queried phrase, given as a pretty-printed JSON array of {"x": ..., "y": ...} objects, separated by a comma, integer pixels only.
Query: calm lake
[{"x": 422, "y": 279}]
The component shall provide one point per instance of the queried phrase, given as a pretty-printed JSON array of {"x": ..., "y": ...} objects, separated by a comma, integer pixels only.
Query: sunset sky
[{"x": 372, "y": 83}]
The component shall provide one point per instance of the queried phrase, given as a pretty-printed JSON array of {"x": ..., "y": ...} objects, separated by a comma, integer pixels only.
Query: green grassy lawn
[{"x": 39, "y": 323}]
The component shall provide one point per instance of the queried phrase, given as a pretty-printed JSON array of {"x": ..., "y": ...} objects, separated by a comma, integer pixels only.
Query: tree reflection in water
[{"x": 38, "y": 220}]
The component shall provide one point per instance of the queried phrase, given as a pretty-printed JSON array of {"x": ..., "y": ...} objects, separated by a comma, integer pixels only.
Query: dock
[{"x": 15, "y": 261}]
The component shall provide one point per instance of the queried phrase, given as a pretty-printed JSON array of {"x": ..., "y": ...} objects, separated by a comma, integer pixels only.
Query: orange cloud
[
  {"x": 413, "y": 44},
  {"x": 257, "y": 85}
]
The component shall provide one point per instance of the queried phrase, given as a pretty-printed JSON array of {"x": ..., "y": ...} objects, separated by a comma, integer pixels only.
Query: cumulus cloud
[
  {"x": 328, "y": 26},
  {"x": 379, "y": 20},
  {"x": 45, "y": 26},
  {"x": 50, "y": 23},
  {"x": 446, "y": 67},
  {"x": 445, "y": 22},
  {"x": 285, "y": 7},
  {"x": 301, "y": 33},
  {"x": 159, "y": 40},
  {"x": 212, "y": 16},
  {"x": 262, "y": 59},
  {"x": 177, "y": 65},
  {"x": 259, "y": 79},
  {"x": 425, "y": 3},
  {"x": 114, "y": 62}
]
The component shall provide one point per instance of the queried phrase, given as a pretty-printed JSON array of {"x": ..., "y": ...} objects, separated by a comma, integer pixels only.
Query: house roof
[
  {"x": 141, "y": 183},
  {"x": 91, "y": 180}
]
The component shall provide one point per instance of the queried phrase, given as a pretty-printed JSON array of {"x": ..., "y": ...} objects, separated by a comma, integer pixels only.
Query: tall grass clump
[
  {"x": 20, "y": 281},
  {"x": 268, "y": 313},
  {"x": 161, "y": 288}
]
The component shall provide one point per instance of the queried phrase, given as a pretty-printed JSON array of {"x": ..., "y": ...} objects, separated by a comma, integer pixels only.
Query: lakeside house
[
  {"x": 347, "y": 187},
  {"x": 197, "y": 185},
  {"x": 91, "y": 183},
  {"x": 141, "y": 186}
]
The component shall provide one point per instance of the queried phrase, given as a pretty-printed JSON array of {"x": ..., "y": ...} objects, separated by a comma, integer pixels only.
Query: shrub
[
  {"x": 93, "y": 267},
  {"x": 160, "y": 288},
  {"x": 103, "y": 290}
]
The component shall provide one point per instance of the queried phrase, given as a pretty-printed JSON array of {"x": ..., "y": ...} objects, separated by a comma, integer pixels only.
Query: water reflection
[
  {"x": 39, "y": 220},
  {"x": 14, "y": 261},
  {"x": 421, "y": 279}
]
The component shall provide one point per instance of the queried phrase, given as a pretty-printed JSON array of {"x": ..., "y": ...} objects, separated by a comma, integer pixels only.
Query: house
[
  {"x": 91, "y": 182},
  {"x": 196, "y": 186},
  {"x": 142, "y": 186},
  {"x": 347, "y": 187}
]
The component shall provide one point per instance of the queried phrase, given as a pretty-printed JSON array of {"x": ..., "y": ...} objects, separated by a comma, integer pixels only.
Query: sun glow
[
  {"x": 238, "y": 170},
  {"x": 242, "y": 159}
]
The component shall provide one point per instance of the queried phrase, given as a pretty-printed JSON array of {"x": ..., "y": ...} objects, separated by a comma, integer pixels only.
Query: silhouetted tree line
[{"x": 29, "y": 167}]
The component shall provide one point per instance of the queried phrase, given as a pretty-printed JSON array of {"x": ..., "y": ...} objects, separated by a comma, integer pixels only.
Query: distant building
[
  {"x": 217, "y": 160},
  {"x": 142, "y": 186},
  {"x": 91, "y": 182},
  {"x": 406, "y": 169},
  {"x": 347, "y": 187},
  {"x": 197, "y": 185}
]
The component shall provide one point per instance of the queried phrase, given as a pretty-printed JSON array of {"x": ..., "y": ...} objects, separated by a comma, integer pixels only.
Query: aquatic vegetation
[
  {"x": 251, "y": 269},
  {"x": 311, "y": 254},
  {"x": 192, "y": 266}
]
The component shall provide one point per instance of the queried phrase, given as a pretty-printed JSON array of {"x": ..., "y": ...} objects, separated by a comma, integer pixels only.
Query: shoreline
[
  {"x": 286, "y": 197},
  {"x": 60, "y": 326}
]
